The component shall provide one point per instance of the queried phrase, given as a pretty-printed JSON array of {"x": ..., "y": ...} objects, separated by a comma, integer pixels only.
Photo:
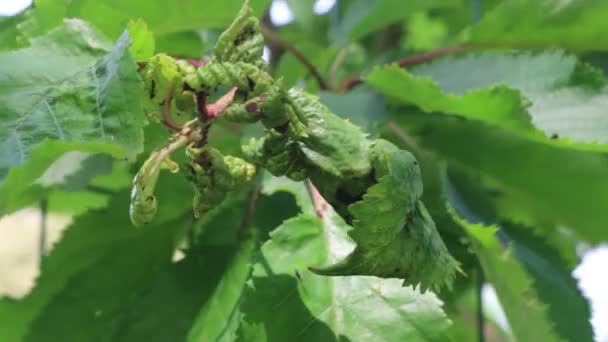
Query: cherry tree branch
[
  {"x": 352, "y": 82},
  {"x": 278, "y": 40}
]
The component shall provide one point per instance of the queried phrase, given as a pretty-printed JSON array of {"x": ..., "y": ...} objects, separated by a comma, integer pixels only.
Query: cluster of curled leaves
[
  {"x": 231, "y": 199},
  {"x": 372, "y": 184}
]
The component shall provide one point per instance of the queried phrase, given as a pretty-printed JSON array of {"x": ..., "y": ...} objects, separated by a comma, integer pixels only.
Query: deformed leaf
[
  {"x": 243, "y": 40},
  {"x": 395, "y": 235}
]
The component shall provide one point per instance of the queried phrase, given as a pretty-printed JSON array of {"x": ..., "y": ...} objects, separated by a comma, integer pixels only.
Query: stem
[
  {"x": 333, "y": 70},
  {"x": 278, "y": 40},
  {"x": 352, "y": 82},
  {"x": 318, "y": 202},
  {"x": 254, "y": 196},
  {"x": 166, "y": 115},
  {"x": 480, "y": 318},
  {"x": 43, "y": 230},
  {"x": 187, "y": 135}
]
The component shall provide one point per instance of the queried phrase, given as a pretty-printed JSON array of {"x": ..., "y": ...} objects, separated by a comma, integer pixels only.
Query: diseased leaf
[
  {"x": 395, "y": 235},
  {"x": 328, "y": 308},
  {"x": 576, "y": 25},
  {"x": 527, "y": 315}
]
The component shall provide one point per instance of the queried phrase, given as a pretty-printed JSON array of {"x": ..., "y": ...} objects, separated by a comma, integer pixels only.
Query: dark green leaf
[
  {"x": 527, "y": 315},
  {"x": 557, "y": 184}
]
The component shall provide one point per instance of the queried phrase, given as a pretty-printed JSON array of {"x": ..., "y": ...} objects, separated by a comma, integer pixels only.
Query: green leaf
[
  {"x": 142, "y": 47},
  {"x": 84, "y": 282},
  {"x": 24, "y": 184},
  {"x": 317, "y": 308},
  {"x": 558, "y": 185},
  {"x": 112, "y": 16},
  {"x": 79, "y": 94},
  {"x": 554, "y": 283},
  {"x": 9, "y": 32},
  {"x": 360, "y": 105},
  {"x": 521, "y": 303},
  {"x": 567, "y": 96},
  {"x": 187, "y": 44},
  {"x": 497, "y": 105},
  {"x": 365, "y": 16},
  {"x": 575, "y": 25}
]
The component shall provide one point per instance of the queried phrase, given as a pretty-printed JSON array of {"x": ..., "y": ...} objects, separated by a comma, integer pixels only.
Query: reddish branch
[
  {"x": 352, "y": 82},
  {"x": 218, "y": 107},
  {"x": 279, "y": 41},
  {"x": 318, "y": 201}
]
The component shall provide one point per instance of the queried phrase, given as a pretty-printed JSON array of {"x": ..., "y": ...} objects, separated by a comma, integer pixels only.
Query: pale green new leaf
[
  {"x": 577, "y": 25},
  {"x": 527, "y": 316},
  {"x": 143, "y": 44}
]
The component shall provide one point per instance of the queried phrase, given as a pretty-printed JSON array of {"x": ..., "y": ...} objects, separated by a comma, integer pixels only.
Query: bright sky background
[{"x": 592, "y": 272}]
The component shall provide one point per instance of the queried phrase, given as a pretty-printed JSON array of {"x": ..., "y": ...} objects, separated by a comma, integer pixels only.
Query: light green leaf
[
  {"x": 9, "y": 32},
  {"x": 576, "y": 25},
  {"x": 79, "y": 94},
  {"x": 25, "y": 183},
  {"x": 142, "y": 47},
  {"x": 84, "y": 97},
  {"x": 568, "y": 97},
  {"x": 559, "y": 185},
  {"x": 527, "y": 316},
  {"x": 112, "y": 16},
  {"x": 497, "y": 105}
]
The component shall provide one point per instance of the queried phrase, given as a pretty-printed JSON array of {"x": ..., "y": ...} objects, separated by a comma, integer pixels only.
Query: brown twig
[
  {"x": 278, "y": 40},
  {"x": 352, "y": 82}
]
